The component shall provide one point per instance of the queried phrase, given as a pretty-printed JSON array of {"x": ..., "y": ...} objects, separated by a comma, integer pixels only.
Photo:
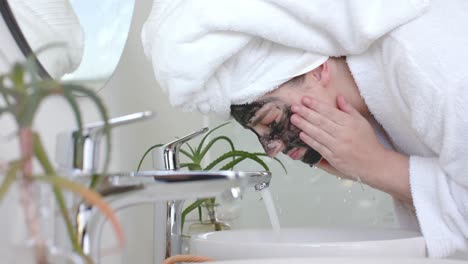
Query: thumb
[{"x": 346, "y": 107}]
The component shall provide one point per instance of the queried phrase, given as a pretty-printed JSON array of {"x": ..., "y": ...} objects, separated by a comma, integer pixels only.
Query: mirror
[{"x": 75, "y": 40}]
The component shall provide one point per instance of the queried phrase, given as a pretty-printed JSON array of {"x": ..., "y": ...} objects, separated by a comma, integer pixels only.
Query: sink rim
[
  {"x": 405, "y": 244},
  {"x": 213, "y": 237}
]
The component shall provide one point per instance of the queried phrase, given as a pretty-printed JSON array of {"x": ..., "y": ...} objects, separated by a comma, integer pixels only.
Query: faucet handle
[
  {"x": 166, "y": 157},
  {"x": 178, "y": 142},
  {"x": 96, "y": 128},
  {"x": 79, "y": 150}
]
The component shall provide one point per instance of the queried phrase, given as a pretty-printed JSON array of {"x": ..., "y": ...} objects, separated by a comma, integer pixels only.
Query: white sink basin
[
  {"x": 339, "y": 261},
  {"x": 319, "y": 242}
]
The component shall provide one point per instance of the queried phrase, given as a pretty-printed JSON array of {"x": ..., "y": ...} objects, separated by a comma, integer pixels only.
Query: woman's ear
[{"x": 321, "y": 73}]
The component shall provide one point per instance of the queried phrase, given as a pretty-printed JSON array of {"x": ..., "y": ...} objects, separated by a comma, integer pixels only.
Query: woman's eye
[{"x": 269, "y": 119}]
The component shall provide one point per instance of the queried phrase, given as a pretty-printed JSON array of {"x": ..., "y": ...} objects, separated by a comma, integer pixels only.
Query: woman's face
[{"x": 269, "y": 118}]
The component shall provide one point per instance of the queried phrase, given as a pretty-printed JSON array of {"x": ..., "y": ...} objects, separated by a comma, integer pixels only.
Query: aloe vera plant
[
  {"x": 23, "y": 92},
  {"x": 226, "y": 161}
]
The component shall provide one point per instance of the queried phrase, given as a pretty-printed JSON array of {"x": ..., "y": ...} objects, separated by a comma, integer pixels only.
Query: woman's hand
[
  {"x": 350, "y": 147},
  {"x": 341, "y": 135}
]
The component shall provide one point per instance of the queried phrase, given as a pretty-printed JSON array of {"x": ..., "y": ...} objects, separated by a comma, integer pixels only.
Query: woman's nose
[{"x": 272, "y": 147}]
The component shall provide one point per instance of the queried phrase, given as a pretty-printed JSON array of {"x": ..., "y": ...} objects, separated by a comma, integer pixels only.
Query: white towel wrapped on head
[{"x": 209, "y": 54}]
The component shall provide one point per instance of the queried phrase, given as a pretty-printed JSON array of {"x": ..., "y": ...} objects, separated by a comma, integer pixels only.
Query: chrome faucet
[
  {"x": 122, "y": 190},
  {"x": 166, "y": 157},
  {"x": 78, "y": 155},
  {"x": 78, "y": 151}
]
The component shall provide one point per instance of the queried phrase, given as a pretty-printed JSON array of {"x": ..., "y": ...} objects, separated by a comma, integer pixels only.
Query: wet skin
[{"x": 270, "y": 119}]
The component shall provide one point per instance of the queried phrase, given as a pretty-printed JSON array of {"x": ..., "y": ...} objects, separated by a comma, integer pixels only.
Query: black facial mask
[{"x": 282, "y": 130}]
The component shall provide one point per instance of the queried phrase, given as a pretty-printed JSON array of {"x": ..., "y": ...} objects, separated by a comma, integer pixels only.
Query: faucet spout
[
  {"x": 259, "y": 180},
  {"x": 122, "y": 190},
  {"x": 254, "y": 179}
]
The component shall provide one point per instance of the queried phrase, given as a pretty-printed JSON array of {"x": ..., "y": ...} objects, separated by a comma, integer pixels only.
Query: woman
[{"x": 319, "y": 79}]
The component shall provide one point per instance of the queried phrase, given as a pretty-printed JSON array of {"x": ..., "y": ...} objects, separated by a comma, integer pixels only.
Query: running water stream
[{"x": 271, "y": 209}]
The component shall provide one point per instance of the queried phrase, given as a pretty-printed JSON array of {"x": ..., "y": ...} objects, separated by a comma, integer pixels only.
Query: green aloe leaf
[
  {"x": 105, "y": 118},
  {"x": 146, "y": 153},
  {"x": 275, "y": 158},
  {"x": 94, "y": 181},
  {"x": 31, "y": 66},
  {"x": 47, "y": 87},
  {"x": 200, "y": 146},
  {"x": 31, "y": 59},
  {"x": 30, "y": 108},
  {"x": 200, "y": 214},
  {"x": 214, "y": 140},
  {"x": 9, "y": 109},
  {"x": 233, "y": 163},
  {"x": 10, "y": 177},
  {"x": 190, "y": 208},
  {"x": 237, "y": 153},
  {"x": 17, "y": 77},
  {"x": 75, "y": 108},
  {"x": 191, "y": 166},
  {"x": 191, "y": 149},
  {"x": 41, "y": 156},
  {"x": 91, "y": 197},
  {"x": 186, "y": 154},
  {"x": 22, "y": 100},
  {"x": 10, "y": 93}
]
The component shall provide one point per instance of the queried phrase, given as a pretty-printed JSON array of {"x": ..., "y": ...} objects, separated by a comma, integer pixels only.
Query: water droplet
[
  {"x": 344, "y": 200},
  {"x": 360, "y": 183},
  {"x": 186, "y": 249}
]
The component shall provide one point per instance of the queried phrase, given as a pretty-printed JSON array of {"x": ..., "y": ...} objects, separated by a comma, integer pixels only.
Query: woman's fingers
[
  {"x": 328, "y": 111},
  {"x": 312, "y": 135},
  {"x": 315, "y": 144},
  {"x": 339, "y": 133},
  {"x": 313, "y": 119}
]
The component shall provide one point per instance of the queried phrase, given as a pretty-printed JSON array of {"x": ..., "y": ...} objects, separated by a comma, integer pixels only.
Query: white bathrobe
[{"x": 415, "y": 82}]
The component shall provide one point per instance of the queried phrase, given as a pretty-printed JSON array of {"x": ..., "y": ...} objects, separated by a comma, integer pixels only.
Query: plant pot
[
  {"x": 208, "y": 226},
  {"x": 213, "y": 219}
]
